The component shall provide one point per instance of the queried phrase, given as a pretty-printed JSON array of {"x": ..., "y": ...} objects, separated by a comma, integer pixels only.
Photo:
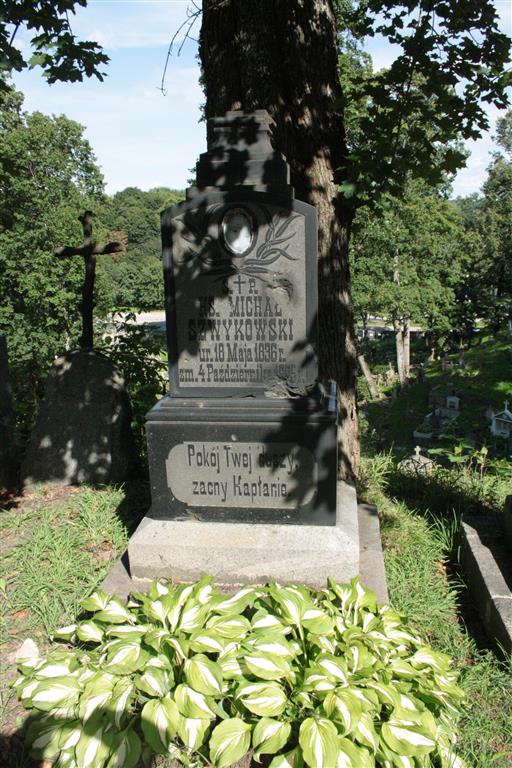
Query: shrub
[{"x": 326, "y": 679}]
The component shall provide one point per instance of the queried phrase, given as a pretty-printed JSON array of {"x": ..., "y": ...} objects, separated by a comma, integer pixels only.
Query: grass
[
  {"x": 485, "y": 382},
  {"x": 56, "y": 546},
  {"x": 55, "y": 550},
  {"x": 420, "y": 559}
]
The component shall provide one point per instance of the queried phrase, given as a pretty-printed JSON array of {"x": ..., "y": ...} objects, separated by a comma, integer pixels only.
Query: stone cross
[
  {"x": 89, "y": 250},
  {"x": 417, "y": 451}
]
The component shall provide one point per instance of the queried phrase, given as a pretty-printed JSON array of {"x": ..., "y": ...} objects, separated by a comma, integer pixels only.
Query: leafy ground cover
[
  {"x": 57, "y": 545},
  {"x": 420, "y": 550}
]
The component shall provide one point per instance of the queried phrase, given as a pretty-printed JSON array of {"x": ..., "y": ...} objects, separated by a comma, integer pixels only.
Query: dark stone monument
[
  {"x": 8, "y": 443},
  {"x": 243, "y": 453},
  {"x": 82, "y": 432}
]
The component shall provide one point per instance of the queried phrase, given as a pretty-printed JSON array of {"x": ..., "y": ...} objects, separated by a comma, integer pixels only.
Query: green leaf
[
  {"x": 229, "y": 742},
  {"x": 125, "y": 657},
  {"x": 269, "y": 736},
  {"x": 57, "y": 692},
  {"x": 318, "y": 739},
  {"x": 406, "y": 740},
  {"x": 95, "y": 602},
  {"x": 203, "y": 675},
  {"x": 154, "y": 682},
  {"x": 159, "y": 720},
  {"x": 193, "y": 704},
  {"x": 126, "y": 750},
  {"x": 89, "y": 632},
  {"x": 265, "y": 699},
  {"x": 267, "y": 666},
  {"x": 291, "y": 759},
  {"x": 192, "y": 731}
]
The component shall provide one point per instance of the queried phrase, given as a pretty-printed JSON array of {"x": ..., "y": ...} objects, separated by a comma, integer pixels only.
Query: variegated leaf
[
  {"x": 265, "y": 699},
  {"x": 95, "y": 602},
  {"x": 269, "y": 736},
  {"x": 57, "y": 692},
  {"x": 267, "y": 666},
  {"x": 406, "y": 740},
  {"x": 191, "y": 703},
  {"x": 229, "y": 742},
  {"x": 318, "y": 739},
  {"x": 204, "y": 675},
  {"x": 292, "y": 759},
  {"x": 126, "y": 750},
  {"x": 159, "y": 720},
  {"x": 230, "y": 627},
  {"x": 89, "y": 632},
  {"x": 192, "y": 731}
]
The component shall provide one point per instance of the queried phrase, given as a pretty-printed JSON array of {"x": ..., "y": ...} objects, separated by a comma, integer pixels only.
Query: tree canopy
[{"x": 54, "y": 47}]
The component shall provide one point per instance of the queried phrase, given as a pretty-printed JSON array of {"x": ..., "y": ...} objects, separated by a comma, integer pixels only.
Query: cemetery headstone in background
[
  {"x": 243, "y": 453},
  {"x": 82, "y": 432},
  {"x": 8, "y": 445}
]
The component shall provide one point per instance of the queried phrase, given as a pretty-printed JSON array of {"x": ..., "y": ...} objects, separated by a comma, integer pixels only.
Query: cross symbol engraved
[
  {"x": 239, "y": 282},
  {"x": 89, "y": 250}
]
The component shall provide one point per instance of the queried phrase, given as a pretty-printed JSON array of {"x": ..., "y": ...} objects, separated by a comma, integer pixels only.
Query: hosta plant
[{"x": 323, "y": 679}]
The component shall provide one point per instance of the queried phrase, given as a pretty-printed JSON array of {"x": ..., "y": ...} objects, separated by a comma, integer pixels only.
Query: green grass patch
[{"x": 420, "y": 559}]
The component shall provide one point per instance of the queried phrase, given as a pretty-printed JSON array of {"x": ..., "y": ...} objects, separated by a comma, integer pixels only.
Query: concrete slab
[
  {"x": 487, "y": 564},
  {"x": 248, "y": 553},
  {"x": 371, "y": 557},
  {"x": 371, "y": 561}
]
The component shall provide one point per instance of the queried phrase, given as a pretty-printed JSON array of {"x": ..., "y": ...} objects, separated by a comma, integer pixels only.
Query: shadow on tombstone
[
  {"x": 248, "y": 435},
  {"x": 82, "y": 432}
]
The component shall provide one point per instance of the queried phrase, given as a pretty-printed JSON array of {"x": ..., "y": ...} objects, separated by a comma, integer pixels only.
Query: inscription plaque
[{"x": 229, "y": 474}]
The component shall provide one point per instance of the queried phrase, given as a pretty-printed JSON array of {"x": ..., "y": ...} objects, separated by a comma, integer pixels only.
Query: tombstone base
[{"x": 242, "y": 553}]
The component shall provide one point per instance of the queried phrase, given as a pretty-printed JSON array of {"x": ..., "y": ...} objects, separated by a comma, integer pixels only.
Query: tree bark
[
  {"x": 280, "y": 55},
  {"x": 365, "y": 368}
]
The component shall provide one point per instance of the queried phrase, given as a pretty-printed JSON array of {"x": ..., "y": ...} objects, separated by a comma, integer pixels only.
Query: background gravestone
[
  {"x": 8, "y": 443},
  {"x": 82, "y": 432}
]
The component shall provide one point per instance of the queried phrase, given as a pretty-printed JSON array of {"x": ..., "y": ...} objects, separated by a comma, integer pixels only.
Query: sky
[{"x": 144, "y": 138}]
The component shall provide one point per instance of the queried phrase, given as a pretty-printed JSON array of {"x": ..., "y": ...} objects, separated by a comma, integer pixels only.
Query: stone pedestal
[
  {"x": 243, "y": 454},
  {"x": 243, "y": 460},
  {"x": 244, "y": 553}
]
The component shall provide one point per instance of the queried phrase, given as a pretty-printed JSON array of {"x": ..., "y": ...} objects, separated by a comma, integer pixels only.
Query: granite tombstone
[{"x": 248, "y": 433}]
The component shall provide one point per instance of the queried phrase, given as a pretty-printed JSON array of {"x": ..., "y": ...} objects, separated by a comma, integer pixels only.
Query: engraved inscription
[
  {"x": 242, "y": 321},
  {"x": 222, "y": 474}
]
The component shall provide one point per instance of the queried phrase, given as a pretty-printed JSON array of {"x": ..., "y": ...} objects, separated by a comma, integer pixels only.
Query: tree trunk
[
  {"x": 365, "y": 368},
  {"x": 399, "y": 346},
  {"x": 281, "y": 55},
  {"x": 406, "y": 338}
]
